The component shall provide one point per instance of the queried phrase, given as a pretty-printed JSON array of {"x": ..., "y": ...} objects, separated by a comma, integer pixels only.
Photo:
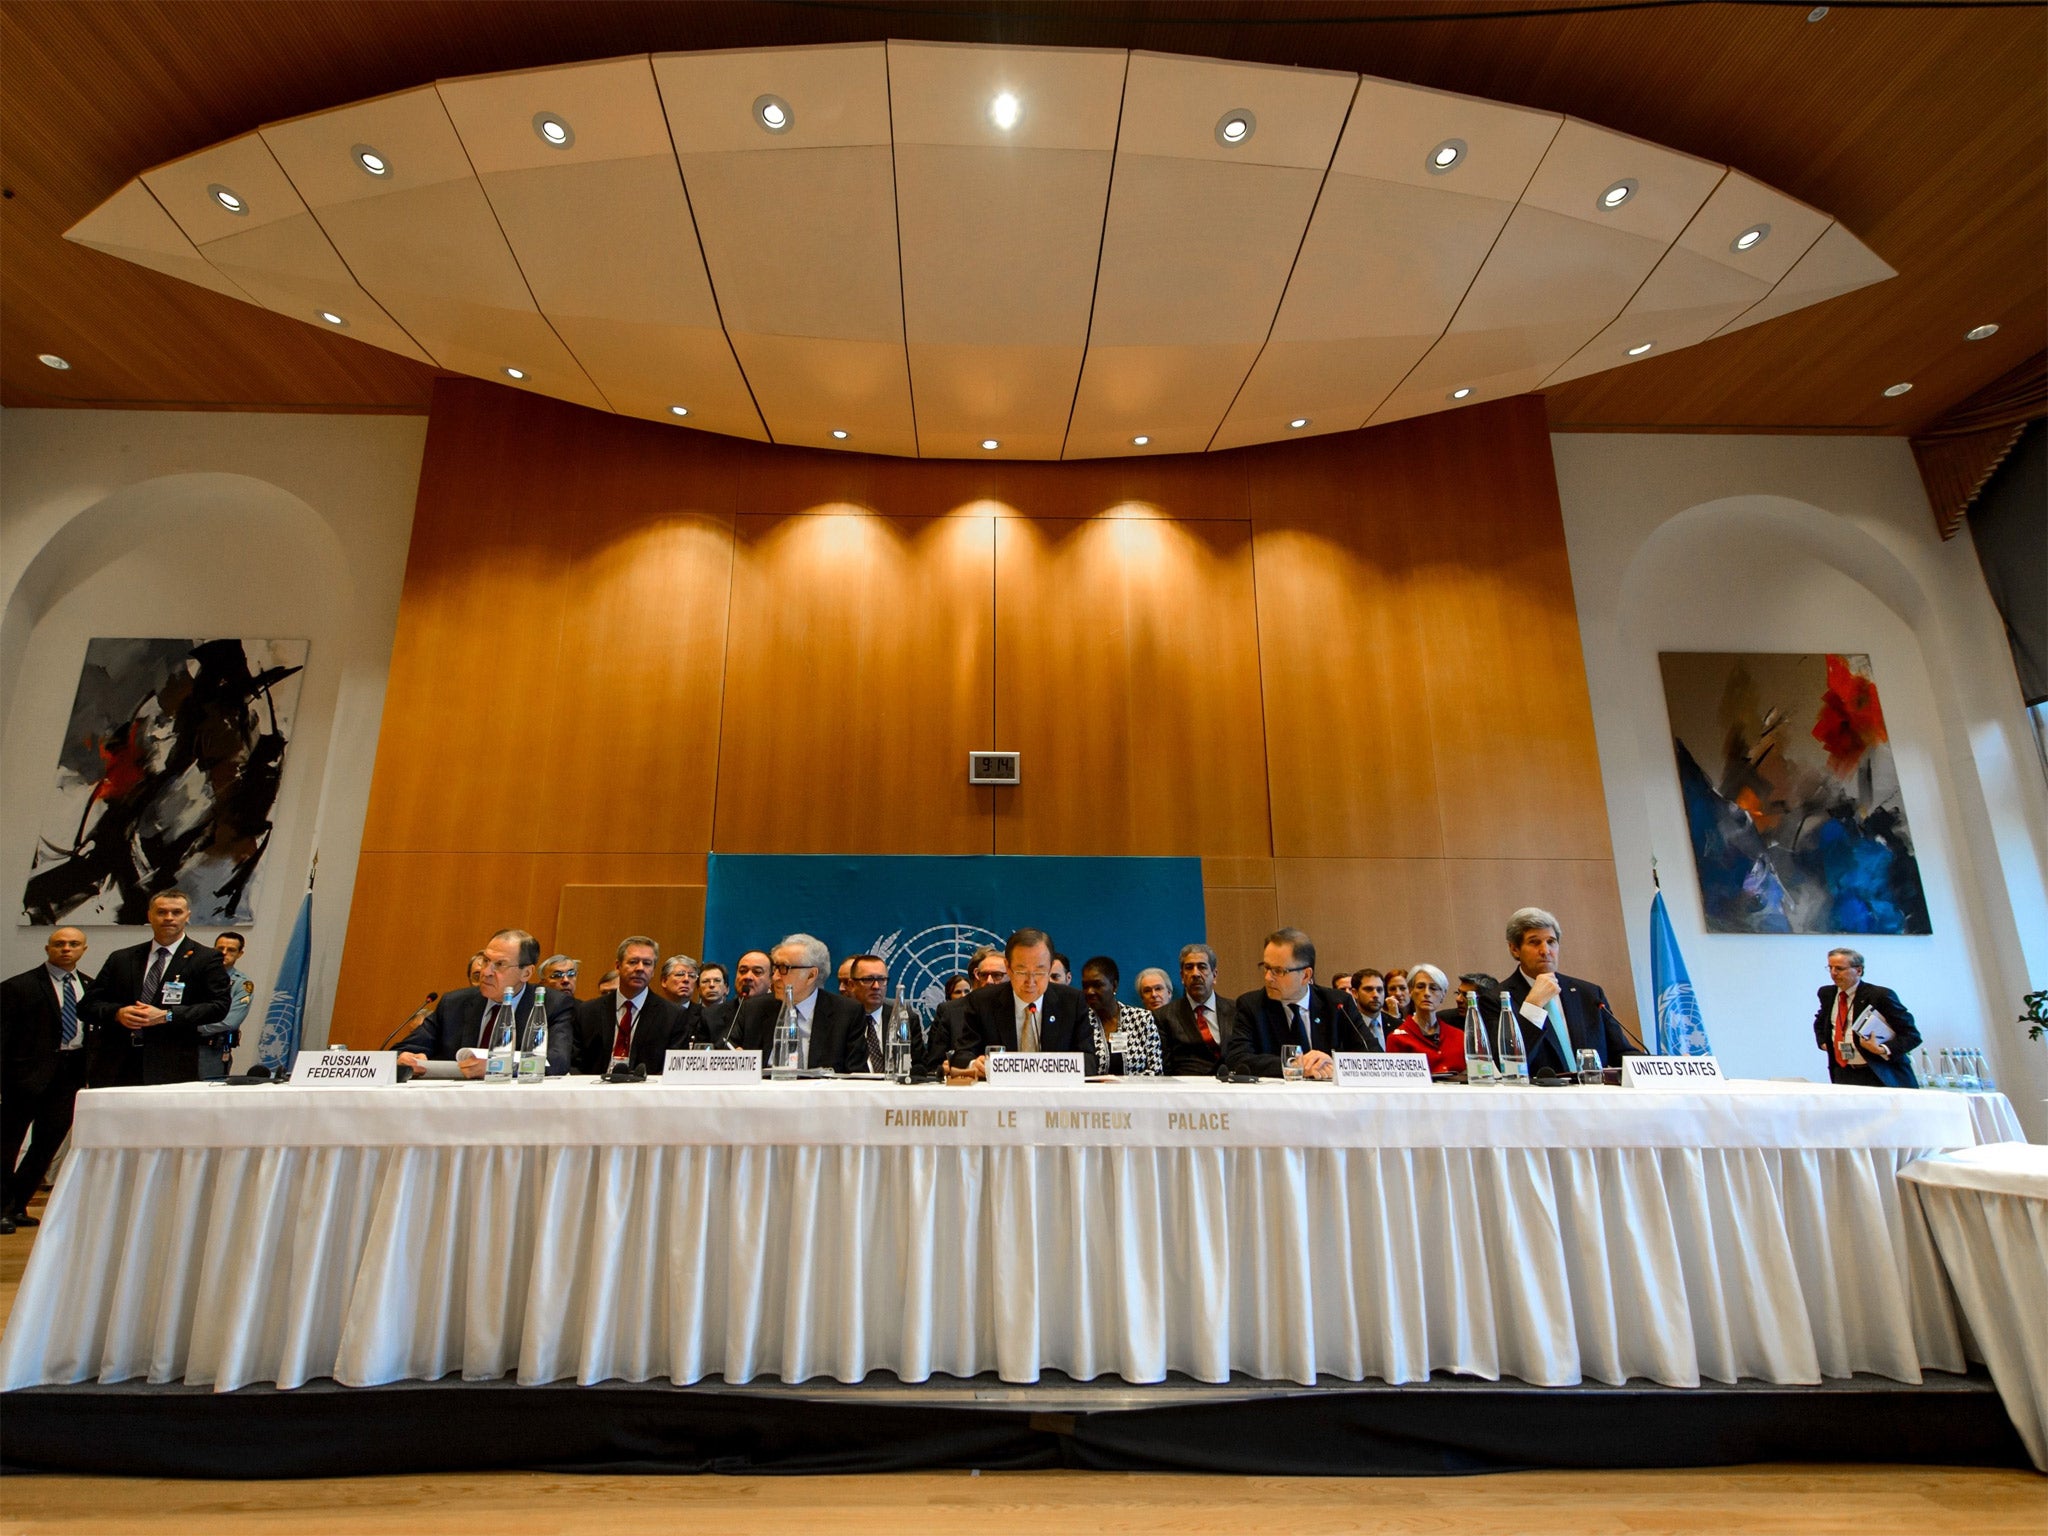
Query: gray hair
[
  {"x": 1153, "y": 970},
  {"x": 553, "y": 960},
  {"x": 1442, "y": 981},
  {"x": 636, "y": 941},
  {"x": 1527, "y": 920},
  {"x": 1198, "y": 949},
  {"x": 675, "y": 963},
  {"x": 813, "y": 951},
  {"x": 1855, "y": 956}
]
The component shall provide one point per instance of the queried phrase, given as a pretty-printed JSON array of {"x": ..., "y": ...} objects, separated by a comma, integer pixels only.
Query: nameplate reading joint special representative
[
  {"x": 345, "y": 1069},
  {"x": 723, "y": 1067},
  {"x": 1036, "y": 1066}
]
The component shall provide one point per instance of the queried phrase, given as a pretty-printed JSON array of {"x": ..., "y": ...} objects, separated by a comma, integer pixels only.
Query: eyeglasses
[
  {"x": 783, "y": 970},
  {"x": 1282, "y": 970}
]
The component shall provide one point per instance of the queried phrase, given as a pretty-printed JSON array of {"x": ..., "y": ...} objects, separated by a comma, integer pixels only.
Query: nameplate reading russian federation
[
  {"x": 1036, "y": 1066},
  {"x": 1670, "y": 1071},
  {"x": 711, "y": 1067},
  {"x": 345, "y": 1069},
  {"x": 1381, "y": 1069}
]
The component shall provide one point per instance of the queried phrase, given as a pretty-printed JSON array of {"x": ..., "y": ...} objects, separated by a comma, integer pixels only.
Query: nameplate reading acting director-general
[
  {"x": 1036, "y": 1066},
  {"x": 1370, "y": 1069},
  {"x": 711, "y": 1067},
  {"x": 345, "y": 1069},
  {"x": 1670, "y": 1071}
]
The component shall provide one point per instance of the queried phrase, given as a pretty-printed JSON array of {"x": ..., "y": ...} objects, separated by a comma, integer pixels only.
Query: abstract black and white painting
[{"x": 168, "y": 775}]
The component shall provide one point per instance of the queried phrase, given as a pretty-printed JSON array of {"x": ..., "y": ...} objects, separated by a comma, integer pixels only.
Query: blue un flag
[
  {"x": 1680, "y": 1030},
  {"x": 278, "y": 1045}
]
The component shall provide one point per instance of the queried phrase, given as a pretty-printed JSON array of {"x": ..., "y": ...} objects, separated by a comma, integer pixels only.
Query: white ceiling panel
[
  {"x": 811, "y": 386},
  {"x": 1835, "y": 264},
  {"x": 132, "y": 225}
]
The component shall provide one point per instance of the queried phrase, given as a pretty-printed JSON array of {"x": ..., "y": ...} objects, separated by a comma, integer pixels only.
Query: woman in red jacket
[{"x": 1441, "y": 1040}]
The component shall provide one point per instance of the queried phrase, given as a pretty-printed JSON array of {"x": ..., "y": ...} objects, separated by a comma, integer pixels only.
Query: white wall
[
  {"x": 1805, "y": 544},
  {"x": 157, "y": 523}
]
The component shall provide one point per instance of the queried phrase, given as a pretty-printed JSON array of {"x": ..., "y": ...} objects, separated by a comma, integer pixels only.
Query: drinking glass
[
  {"x": 1589, "y": 1066},
  {"x": 1290, "y": 1063}
]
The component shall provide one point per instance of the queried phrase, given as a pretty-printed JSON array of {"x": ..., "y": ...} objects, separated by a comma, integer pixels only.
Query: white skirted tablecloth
[
  {"x": 1988, "y": 1207},
  {"x": 580, "y": 1231}
]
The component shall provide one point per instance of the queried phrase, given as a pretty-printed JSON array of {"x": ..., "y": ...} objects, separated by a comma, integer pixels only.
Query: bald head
[{"x": 65, "y": 947}]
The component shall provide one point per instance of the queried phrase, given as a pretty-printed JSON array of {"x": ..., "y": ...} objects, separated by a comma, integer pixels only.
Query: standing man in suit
[
  {"x": 1030, "y": 1013},
  {"x": 827, "y": 1023},
  {"x": 462, "y": 1023},
  {"x": 1292, "y": 1010},
  {"x": 148, "y": 1002},
  {"x": 1198, "y": 1023},
  {"x": 1844, "y": 1027},
  {"x": 1560, "y": 1015},
  {"x": 217, "y": 1042},
  {"x": 42, "y": 1066},
  {"x": 636, "y": 1024}
]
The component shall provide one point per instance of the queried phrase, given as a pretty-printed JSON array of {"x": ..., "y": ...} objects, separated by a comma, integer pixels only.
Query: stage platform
[{"x": 1446, "y": 1426}]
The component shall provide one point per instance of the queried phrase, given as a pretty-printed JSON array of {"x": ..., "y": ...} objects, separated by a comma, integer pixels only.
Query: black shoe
[
  {"x": 6, "y": 1227},
  {"x": 23, "y": 1219}
]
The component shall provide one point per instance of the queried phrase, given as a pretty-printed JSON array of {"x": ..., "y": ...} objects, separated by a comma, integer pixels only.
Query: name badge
[
  {"x": 1371, "y": 1069},
  {"x": 345, "y": 1069},
  {"x": 1036, "y": 1066},
  {"x": 711, "y": 1067},
  {"x": 1670, "y": 1071},
  {"x": 171, "y": 994}
]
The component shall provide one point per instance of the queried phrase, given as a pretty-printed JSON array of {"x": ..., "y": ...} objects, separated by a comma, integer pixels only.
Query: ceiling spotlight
[
  {"x": 1447, "y": 156},
  {"x": 553, "y": 132},
  {"x": 1297, "y": 424},
  {"x": 1640, "y": 348},
  {"x": 1140, "y": 441},
  {"x": 227, "y": 199},
  {"x": 1896, "y": 390},
  {"x": 1750, "y": 238},
  {"x": 1462, "y": 393},
  {"x": 333, "y": 319},
  {"x": 840, "y": 433},
  {"x": 679, "y": 410},
  {"x": 773, "y": 113},
  {"x": 990, "y": 444},
  {"x": 1979, "y": 332},
  {"x": 1235, "y": 126},
  {"x": 1818, "y": 13},
  {"x": 1003, "y": 111},
  {"x": 515, "y": 373},
  {"x": 52, "y": 360},
  {"x": 371, "y": 161},
  {"x": 1616, "y": 195}
]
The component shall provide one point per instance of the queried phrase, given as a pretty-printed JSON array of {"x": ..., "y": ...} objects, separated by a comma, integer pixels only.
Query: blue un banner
[{"x": 927, "y": 915}]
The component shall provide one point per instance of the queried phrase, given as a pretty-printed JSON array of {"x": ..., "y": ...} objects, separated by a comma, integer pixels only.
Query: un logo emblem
[{"x": 920, "y": 964}]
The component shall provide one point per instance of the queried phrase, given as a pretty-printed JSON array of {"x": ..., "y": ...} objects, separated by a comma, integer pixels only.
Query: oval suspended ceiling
[{"x": 963, "y": 251}]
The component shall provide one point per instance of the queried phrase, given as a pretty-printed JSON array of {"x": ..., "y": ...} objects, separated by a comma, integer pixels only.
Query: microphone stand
[{"x": 406, "y": 1028}]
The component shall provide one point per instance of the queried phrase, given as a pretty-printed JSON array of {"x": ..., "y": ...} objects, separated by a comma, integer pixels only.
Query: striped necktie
[{"x": 70, "y": 1010}]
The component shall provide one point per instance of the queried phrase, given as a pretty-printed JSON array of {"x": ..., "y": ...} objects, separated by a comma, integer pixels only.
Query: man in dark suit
[
  {"x": 462, "y": 1023},
  {"x": 42, "y": 1066},
  {"x": 719, "y": 1020},
  {"x": 1845, "y": 1028},
  {"x": 675, "y": 981},
  {"x": 827, "y": 1023},
  {"x": 1197, "y": 1024},
  {"x": 148, "y": 1001},
  {"x": 1029, "y": 1013},
  {"x": 1291, "y": 1010},
  {"x": 637, "y": 1024},
  {"x": 1560, "y": 1015}
]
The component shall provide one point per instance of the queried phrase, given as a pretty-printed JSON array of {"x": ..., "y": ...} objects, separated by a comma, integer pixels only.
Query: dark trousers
[{"x": 44, "y": 1119}]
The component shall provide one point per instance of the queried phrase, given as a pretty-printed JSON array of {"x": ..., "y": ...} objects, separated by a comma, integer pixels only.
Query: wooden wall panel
[
  {"x": 858, "y": 678},
  {"x": 1239, "y": 918},
  {"x": 1127, "y": 674},
  {"x": 1377, "y": 912},
  {"x": 592, "y": 920}
]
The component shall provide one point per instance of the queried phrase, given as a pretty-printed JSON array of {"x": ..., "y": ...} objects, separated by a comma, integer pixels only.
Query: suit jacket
[
  {"x": 942, "y": 1037},
  {"x": 712, "y": 1023},
  {"x": 836, "y": 1038},
  {"x": 457, "y": 1022},
  {"x": 661, "y": 1028},
  {"x": 32, "y": 1029},
  {"x": 988, "y": 1016},
  {"x": 1187, "y": 1053},
  {"x": 1896, "y": 1073},
  {"x": 169, "y": 1052},
  {"x": 1262, "y": 1028},
  {"x": 1589, "y": 1022}
]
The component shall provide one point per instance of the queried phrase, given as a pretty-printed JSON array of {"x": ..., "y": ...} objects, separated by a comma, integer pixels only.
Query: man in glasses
[
  {"x": 1291, "y": 1010},
  {"x": 1032, "y": 1013},
  {"x": 828, "y": 1024}
]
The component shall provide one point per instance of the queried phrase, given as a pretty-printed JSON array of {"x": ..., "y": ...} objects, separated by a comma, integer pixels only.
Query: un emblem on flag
[{"x": 920, "y": 964}]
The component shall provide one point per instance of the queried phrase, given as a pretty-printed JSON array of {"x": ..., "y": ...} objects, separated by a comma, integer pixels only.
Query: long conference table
[{"x": 580, "y": 1231}]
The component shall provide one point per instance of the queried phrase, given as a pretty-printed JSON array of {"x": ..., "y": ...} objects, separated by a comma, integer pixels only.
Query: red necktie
[
  {"x": 622, "y": 1042},
  {"x": 1202, "y": 1023},
  {"x": 1842, "y": 1027}
]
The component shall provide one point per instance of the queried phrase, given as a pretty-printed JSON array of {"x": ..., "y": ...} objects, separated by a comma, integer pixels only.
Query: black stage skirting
[{"x": 1443, "y": 1427}]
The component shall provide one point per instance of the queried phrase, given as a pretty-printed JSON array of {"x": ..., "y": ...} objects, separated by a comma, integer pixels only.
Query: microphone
[
  {"x": 406, "y": 1027},
  {"x": 1631, "y": 1039}
]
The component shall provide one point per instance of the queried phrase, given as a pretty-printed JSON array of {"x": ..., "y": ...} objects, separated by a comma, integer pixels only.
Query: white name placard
[
  {"x": 345, "y": 1069},
  {"x": 1036, "y": 1067},
  {"x": 711, "y": 1067},
  {"x": 1376, "y": 1069},
  {"x": 1669, "y": 1071}
]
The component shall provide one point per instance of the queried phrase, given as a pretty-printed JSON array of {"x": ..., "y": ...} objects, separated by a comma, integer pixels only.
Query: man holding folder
[{"x": 1865, "y": 1029}]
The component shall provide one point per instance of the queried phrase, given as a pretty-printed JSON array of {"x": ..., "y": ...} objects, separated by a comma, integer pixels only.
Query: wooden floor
[{"x": 1911, "y": 1501}]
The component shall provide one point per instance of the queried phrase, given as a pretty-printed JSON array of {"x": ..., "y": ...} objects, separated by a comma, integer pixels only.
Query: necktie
[
  {"x": 1202, "y": 1024},
  {"x": 489, "y": 1036},
  {"x": 1301, "y": 1027},
  {"x": 622, "y": 1041},
  {"x": 1842, "y": 1028},
  {"x": 1030, "y": 1041},
  {"x": 875, "y": 1060},
  {"x": 70, "y": 1010},
  {"x": 155, "y": 979}
]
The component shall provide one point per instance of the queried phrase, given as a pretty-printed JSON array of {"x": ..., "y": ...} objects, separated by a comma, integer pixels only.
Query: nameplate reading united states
[
  {"x": 1036, "y": 1067},
  {"x": 345, "y": 1069},
  {"x": 1374, "y": 1069},
  {"x": 711, "y": 1067},
  {"x": 1669, "y": 1071}
]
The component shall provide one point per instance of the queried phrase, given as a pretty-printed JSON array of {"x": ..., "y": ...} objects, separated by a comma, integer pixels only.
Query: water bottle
[
  {"x": 1480, "y": 1068},
  {"x": 502, "y": 1064},
  {"x": 1985, "y": 1084},
  {"x": 902, "y": 1049},
  {"x": 782, "y": 1055},
  {"x": 1514, "y": 1052},
  {"x": 1943, "y": 1075},
  {"x": 1966, "y": 1071},
  {"x": 533, "y": 1042}
]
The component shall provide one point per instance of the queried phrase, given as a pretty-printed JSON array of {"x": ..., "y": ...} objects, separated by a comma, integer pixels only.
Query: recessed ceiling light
[
  {"x": 1464, "y": 392},
  {"x": 1235, "y": 127},
  {"x": 1617, "y": 194},
  {"x": 515, "y": 373},
  {"x": 679, "y": 410},
  {"x": 1750, "y": 238},
  {"x": 52, "y": 360},
  {"x": 990, "y": 444},
  {"x": 371, "y": 161},
  {"x": 1004, "y": 111},
  {"x": 840, "y": 433},
  {"x": 1818, "y": 13},
  {"x": 1297, "y": 424},
  {"x": 1896, "y": 390},
  {"x": 773, "y": 113},
  {"x": 227, "y": 198},
  {"x": 1640, "y": 348},
  {"x": 1140, "y": 441},
  {"x": 553, "y": 132},
  {"x": 1979, "y": 332},
  {"x": 333, "y": 319},
  {"x": 1447, "y": 156}
]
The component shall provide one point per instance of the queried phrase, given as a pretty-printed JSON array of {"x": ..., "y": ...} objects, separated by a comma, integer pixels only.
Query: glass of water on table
[
  {"x": 1290, "y": 1063},
  {"x": 1589, "y": 1067}
]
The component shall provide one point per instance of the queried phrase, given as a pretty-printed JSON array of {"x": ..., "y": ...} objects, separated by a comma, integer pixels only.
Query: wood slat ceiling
[{"x": 1921, "y": 130}]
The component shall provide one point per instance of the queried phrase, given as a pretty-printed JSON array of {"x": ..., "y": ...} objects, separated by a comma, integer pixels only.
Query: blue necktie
[{"x": 70, "y": 1010}]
